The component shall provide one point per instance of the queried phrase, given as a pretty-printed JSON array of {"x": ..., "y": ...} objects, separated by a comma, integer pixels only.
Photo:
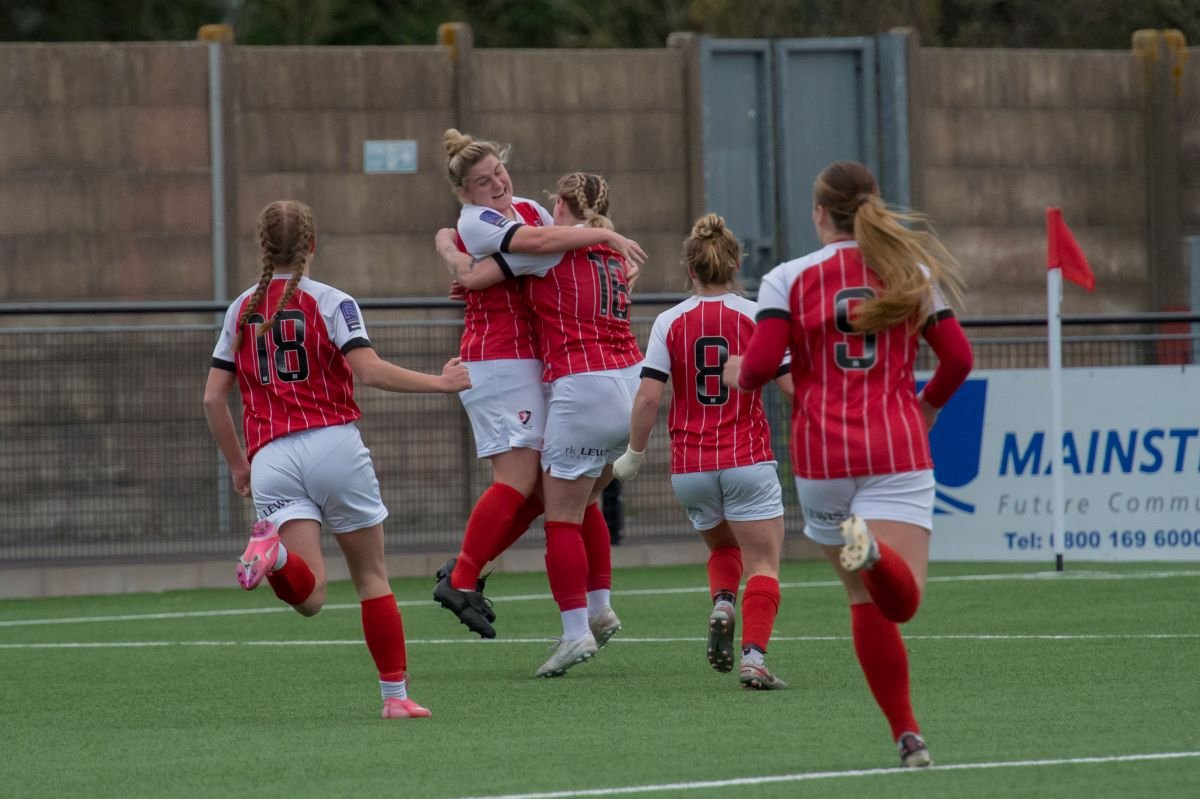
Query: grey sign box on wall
[{"x": 390, "y": 156}]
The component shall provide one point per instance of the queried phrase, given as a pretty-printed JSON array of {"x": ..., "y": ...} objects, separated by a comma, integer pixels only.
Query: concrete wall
[
  {"x": 1189, "y": 144},
  {"x": 1001, "y": 134},
  {"x": 618, "y": 113},
  {"x": 302, "y": 115},
  {"x": 105, "y": 167},
  {"x": 104, "y": 181}
]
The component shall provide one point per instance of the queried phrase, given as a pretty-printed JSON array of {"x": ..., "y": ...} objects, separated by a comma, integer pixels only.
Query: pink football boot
[
  {"x": 260, "y": 555},
  {"x": 394, "y": 708}
]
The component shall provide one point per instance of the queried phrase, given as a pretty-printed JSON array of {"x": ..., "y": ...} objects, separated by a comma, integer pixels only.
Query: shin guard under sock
[
  {"x": 489, "y": 523},
  {"x": 293, "y": 583},
  {"x": 724, "y": 571},
  {"x": 383, "y": 628},
  {"x": 525, "y": 516},
  {"x": 566, "y": 565},
  {"x": 880, "y": 650},
  {"x": 892, "y": 587},
  {"x": 598, "y": 544},
  {"x": 760, "y": 605}
]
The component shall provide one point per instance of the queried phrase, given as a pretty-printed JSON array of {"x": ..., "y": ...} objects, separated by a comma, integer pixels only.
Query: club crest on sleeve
[
  {"x": 493, "y": 218},
  {"x": 525, "y": 416},
  {"x": 349, "y": 311}
]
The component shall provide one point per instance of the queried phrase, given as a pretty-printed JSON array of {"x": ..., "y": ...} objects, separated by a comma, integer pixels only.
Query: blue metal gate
[{"x": 776, "y": 112}]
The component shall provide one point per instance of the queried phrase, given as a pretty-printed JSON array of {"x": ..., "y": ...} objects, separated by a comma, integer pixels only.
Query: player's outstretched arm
[
  {"x": 376, "y": 372},
  {"x": 560, "y": 238},
  {"x": 763, "y": 355},
  {"x": 641, "y": 424},
  {"x": 220, "y": 424}
]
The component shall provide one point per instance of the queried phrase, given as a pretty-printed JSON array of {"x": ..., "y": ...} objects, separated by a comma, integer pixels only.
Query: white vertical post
[
  {"x": 1193, "y": 248},
  {"x": 216, "y": 152},
  {"x": 1054, "y": 323},
  {"x": 216, "y": 149}
]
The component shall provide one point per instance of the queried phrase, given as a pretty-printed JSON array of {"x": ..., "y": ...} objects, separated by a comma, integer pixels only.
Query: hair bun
[
  {"x": 709, "y": 226},
  {"x": 455, "y": 142}
]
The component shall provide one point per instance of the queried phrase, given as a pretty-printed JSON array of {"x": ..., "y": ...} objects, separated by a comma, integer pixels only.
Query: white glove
[{"x": 626, "y": 466}]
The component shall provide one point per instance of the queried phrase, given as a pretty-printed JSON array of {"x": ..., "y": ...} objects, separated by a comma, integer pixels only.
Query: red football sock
[
  {"x": 295, "y": 582},
  {"x": 489, "y": 522},
  {"x": 525, "y": 516},
  {"x": 383, "y": 628},
  {"x": 892, "y": 586},
  {"x": 884, "y": 661},
  {"x": 724, "y": 570},
  {"x": 566, "y": 565},
  {"x": 760, "y": 605},
  {"x": 598, "y": 544}
]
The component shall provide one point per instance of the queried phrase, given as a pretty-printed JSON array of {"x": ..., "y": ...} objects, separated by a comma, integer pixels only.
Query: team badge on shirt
[
  {"x": 525, "y": 416},
  {"x": 493, "y": 218},
  {"x": 350, "y": 313}
]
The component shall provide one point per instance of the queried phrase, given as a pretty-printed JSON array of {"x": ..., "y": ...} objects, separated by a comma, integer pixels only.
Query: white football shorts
[
  {"x": 587, "y": 421},
  {"x": 902, "y": 497},
  {"x": 506, "y": 404},
  {"x": 324, "y": 474},
  {"x": 741, "y": 494}
]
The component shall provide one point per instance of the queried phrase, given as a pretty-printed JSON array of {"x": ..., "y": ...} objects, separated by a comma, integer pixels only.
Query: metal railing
[{"x": 105, "y": 454}]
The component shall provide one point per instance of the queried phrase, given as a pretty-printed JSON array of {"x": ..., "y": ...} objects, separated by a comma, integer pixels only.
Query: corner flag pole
[
  {"x": 1054, "y": 321},
  {"x": 1064, "y": 259}
]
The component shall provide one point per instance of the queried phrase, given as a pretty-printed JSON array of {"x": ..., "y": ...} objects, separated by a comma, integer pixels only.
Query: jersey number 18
[{"x": 291, "y": 359}]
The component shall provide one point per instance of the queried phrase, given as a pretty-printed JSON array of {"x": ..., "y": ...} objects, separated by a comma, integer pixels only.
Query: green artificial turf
[{"x": 1009, "y": 668}]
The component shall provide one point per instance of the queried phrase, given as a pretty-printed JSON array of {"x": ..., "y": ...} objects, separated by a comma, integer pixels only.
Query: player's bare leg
[
  {"x": 290, "y": 559},
  {"x": 459, "y": 587},
  {"x": 892, "y": 557},
  {"x": 761, "y": 542},
  {"x": 567, "y": 570},
  {"x": 724, "y": 579},
  {"x": 880, "y": 650},
  {"x": 597, "y": 540},
  {"x": 383, "y": 627}
]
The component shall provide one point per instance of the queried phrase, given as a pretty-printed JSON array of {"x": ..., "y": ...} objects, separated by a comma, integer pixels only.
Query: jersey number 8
[{"x": 708, "y": 374}]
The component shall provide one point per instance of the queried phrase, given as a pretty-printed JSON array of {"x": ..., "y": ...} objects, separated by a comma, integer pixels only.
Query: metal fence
[{"x": 105, "y": 454}]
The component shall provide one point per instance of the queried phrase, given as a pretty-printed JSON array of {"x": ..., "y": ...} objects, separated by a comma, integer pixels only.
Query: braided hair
[
  {"x": 286, "y": 231},
  {"x": 586, "y": 196}
]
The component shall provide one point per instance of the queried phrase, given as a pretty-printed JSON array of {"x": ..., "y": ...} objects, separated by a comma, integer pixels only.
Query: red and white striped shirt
[
  {"x": 711, "y": 426},
  {"x": 296, "y": 376},
  {"x": 497, "y": 322},
  {"x": 855, "y": 411},
  {"x": 581, "y": 313}
]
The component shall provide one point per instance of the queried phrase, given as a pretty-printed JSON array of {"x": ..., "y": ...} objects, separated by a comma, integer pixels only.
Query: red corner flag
[{"x": 1063, "y": 253}]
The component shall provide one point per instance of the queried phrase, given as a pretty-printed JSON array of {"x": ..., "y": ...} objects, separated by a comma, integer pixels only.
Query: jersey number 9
[{"x": 841, "y": 320}]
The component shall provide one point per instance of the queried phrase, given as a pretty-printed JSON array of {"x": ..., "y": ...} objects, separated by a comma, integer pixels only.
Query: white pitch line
[
  {"x": 633, "y": 592},
  {"x": 833, "y": 775},
  {"x": 618, "y": 640}
]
